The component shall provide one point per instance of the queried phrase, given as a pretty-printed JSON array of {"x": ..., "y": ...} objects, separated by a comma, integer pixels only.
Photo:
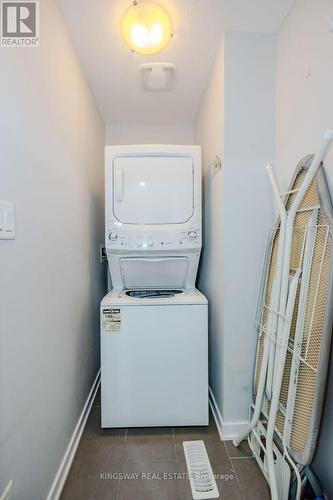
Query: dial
[
  {"x": 192, "y": 235},
  {"x": 113, "y": 236}
]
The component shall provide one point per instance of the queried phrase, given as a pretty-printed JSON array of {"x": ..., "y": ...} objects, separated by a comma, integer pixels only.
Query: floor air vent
[{"x": 201, "y": 477}]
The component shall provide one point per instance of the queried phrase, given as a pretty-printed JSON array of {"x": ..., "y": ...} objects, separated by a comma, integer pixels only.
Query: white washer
[{"x": 154, "y": 359}]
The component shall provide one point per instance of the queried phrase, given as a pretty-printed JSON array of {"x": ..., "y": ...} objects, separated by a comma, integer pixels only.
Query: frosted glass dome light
[{"x": 146, "y": 27}]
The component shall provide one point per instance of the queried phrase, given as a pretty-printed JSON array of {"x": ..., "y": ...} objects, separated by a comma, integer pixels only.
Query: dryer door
[
  {"x": 154, "y": 272},
  {"x": 153, "y": 190}
]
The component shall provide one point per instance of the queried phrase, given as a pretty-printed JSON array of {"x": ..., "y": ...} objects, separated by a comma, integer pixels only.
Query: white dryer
[{"x": 154, "y": 322}]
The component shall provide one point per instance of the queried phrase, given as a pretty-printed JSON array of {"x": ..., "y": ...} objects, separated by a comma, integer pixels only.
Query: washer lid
[
  {"x": 154, "y": 272},
  {"x": 119, "y": 298}
]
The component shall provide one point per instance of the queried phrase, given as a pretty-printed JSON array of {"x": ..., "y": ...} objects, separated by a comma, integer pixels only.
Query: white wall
[
  {"x": 236, "y": 121},
  {"x": 149, "y": 134},
  {"x": 304, "y": 112},
  {"x": 51, "y": 282},
  {"x": 249, "y": 145},
  {"x": 304, "y": 85},
  {"x": 208, "y": 132}
]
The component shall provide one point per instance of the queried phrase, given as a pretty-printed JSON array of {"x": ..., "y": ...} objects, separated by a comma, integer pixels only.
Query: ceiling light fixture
[{"x": 146, "y": 27}]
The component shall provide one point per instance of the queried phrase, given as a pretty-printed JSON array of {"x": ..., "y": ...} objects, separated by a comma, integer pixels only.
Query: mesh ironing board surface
[{"x": 311, "y": 349}]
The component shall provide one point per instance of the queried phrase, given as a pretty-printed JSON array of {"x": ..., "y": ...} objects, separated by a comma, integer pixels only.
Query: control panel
[{"x": 153, "y": 240}]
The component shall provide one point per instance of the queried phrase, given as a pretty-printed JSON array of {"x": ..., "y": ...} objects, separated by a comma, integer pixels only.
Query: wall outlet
[
  {"x": 7, "y": 221},
  {"x": 7, "y": 494},
  {"x": 102, "y": 256}
]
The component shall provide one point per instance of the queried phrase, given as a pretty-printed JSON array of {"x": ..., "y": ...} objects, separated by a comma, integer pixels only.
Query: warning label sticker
[{"x": 111, "y": 320}]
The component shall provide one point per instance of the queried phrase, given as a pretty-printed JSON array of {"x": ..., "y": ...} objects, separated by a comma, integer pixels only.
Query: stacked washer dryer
[{"x": 154, "y": 353}]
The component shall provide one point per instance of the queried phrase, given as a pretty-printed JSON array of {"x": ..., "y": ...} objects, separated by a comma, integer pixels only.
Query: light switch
[{"x": 7, "y": 221}]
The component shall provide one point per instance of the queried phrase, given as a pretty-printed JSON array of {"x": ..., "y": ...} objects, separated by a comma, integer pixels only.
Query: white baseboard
[
  {"x": 216, "y": 413},
  {"x": 61, "y": 476},
  {"x": 227, "y": 430},
  {"x": 231, "y": 430}
]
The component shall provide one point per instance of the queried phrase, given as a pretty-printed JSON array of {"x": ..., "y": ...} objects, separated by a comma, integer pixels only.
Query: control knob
[
  {"x": 192, "y": 235},
  {"x": 113, "y": 236}
]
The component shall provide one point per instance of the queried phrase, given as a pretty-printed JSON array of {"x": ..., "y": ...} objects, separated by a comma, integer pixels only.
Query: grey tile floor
[{"x": 149, "y": 464}]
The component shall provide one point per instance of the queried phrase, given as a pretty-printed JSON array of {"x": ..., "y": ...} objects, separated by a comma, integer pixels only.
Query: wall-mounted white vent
[
  {"x": 157, "y": 77},
  {"x": 203, "y": 484}
]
